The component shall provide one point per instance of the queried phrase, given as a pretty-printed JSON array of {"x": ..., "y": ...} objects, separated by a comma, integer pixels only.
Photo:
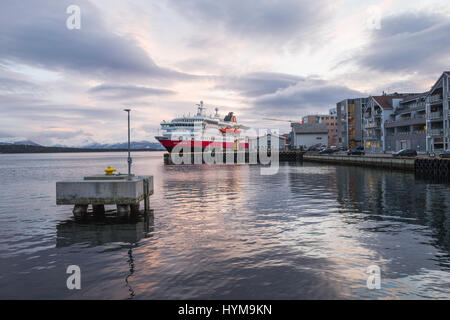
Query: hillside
[{"x": 40, "y": 149}]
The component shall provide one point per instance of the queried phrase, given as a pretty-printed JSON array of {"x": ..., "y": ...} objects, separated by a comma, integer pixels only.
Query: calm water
[{"x": 226, "y": 232}]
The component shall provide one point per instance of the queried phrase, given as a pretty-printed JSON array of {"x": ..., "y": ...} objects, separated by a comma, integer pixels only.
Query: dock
[
  {"x": 424, "y": 167},
  {"x": 100, "y": 190},
  {"x": 407, "y": 164},
  {"x": 237, "y": 157}
]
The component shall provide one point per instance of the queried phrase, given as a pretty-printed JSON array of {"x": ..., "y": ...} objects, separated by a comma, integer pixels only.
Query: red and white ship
[{"x": 201, "y": 130}]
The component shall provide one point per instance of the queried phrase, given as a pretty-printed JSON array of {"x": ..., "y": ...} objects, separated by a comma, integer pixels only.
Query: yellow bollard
[{"x": 109, "y": 171}]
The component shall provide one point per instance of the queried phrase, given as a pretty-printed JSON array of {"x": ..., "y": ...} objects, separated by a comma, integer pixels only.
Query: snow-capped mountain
[
  {"x": 17, "y": 141},
  {"x": 124, "y": 145}
]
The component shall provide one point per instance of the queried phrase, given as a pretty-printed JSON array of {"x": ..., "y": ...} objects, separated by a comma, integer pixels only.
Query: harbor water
[{"x": 226, "y": 232}]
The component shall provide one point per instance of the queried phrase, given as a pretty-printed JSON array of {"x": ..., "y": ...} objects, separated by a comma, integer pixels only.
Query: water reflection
[
  {"x": 227, "y": 232},
  {"x": 107, "y": 230},
  {"x": 386, "y": 196},
  {"x": 100, "y": 232}
]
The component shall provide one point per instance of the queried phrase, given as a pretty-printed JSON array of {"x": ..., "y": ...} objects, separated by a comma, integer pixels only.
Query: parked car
[
  {"x": 334, "y": 148},
  {"x": 326, "y": 151},
  {"x": 355, "y": 152},
  {"x": 405, "y": 153},
  {"x": 445, "y": 154},
  {"x": 316, "y": 147}
]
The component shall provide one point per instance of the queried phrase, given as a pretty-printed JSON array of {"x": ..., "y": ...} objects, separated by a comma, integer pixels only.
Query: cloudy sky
[{"x": 258, "y": 58}]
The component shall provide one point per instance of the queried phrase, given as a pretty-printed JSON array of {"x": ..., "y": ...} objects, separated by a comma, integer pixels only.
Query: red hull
[{"x": 170, "y": 144}]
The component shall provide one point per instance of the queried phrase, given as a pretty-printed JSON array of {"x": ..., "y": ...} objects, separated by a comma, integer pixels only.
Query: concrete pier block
[
  {"x": 101, "y": 190},
  {"x": 80, "y": 211}
]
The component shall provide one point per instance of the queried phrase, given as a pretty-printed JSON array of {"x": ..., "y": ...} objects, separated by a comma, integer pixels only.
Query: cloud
[
  {"x": 307, "y": 95},
  {"x": 11, "y": 85},
  {"x": 409, "y": 42},
  {"x": 36, "y": 34},
  {"x": 62, "y": 133},
  {"x": 270, "y": 19},
  {"x": 258, "y": 83},
  {"x": 282, "y": 94},
  {"x": 114, "y": 92}
]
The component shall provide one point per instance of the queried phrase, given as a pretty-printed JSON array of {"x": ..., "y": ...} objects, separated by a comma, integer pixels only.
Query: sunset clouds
[{"x": 257, "y": 58}]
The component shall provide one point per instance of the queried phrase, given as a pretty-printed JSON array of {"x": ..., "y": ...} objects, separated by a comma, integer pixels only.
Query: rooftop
[
  {"x": 309, "y": 128},
  {"x": 385, "y": 101}
]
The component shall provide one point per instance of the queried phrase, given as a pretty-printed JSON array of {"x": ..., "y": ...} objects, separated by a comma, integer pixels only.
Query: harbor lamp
[{"x": 129, "y": 153}]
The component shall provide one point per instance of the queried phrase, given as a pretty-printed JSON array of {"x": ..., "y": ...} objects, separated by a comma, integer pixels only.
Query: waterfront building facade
[
  {"x": 406, "y": 126},
  {"x": 349, "y": 122},
  {"x": 438, "y": 115},
  {"x": 376, "y": 112},
  {"x": 331, "y": 122},
  {"x": 308, "y": 134}
]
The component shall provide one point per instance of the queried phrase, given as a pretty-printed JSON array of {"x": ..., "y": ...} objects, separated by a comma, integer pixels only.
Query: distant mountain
[
  {"x": 17, "y": 141},
  {"x": 124, "y": 145}
]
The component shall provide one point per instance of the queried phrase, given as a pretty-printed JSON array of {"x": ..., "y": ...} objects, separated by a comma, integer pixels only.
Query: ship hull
[{"x": 192, "y": 144}]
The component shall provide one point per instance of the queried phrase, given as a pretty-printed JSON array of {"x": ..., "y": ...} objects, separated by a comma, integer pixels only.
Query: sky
[{"x": 257, "y": 58}]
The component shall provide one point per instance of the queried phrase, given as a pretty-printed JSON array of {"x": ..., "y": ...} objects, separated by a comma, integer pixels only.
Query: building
[
  {"x": 331, "y": 122},
  {"x": 308, "y": 134},
  {"x": 406, "y": 126},
  {"x": 349, "y": 122},
  {"x": 377, "y": 111},
  {"x": 287, "y": 136},
  {"x": 266, "y": 142},
  {"x": 437, "y": 110}
]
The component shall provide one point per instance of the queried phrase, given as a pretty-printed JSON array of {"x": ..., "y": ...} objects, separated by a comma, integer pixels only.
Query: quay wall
[
  {"x": 425, "y": 167},
  {"x": 240, "y": 156},
  {"x": 382, "y": 162}
]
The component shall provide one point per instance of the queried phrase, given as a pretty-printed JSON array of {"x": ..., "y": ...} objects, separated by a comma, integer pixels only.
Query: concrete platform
[{"x": 100, "y": 190}]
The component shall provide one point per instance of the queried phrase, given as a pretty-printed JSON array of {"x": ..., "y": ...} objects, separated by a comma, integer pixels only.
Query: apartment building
[
  {"x": 349, "y": 122},
  {"x": 406, "y": 126},
  {"x": 330, "y": 120},
  {"x": 377, "y": 111},
  {"x": 438, "y": 115}
]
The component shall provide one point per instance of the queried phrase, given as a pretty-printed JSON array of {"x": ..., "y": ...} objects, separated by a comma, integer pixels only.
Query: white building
[
  {"x": 267, "y": 142},
  {"x": 308, "y": 134}
]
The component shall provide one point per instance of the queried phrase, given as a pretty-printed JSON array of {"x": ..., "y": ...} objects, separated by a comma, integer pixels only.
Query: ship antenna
[{"x": 200, "y": 108}]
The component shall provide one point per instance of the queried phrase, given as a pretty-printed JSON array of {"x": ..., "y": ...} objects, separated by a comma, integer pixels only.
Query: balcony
[
  {"x": 418, "y": 119},
  {"x": 372, "y": 138},
  {"x": 436, "y": 132},
  {"x": 437, "y": 115},
  {"x": 435, "y": 99}
]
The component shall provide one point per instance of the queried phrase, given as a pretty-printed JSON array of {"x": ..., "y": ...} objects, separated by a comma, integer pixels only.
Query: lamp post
[{"x": 129, "y": 153}]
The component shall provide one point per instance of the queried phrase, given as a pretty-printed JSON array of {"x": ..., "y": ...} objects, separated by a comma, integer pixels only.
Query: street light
[{"x": 129, "y": 154}]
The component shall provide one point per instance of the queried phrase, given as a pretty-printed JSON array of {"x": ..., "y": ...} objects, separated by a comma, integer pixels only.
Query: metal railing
[
  {"x": 435, "y": 115},
  {"x": 435, "y": 98},
  {"x": 436, "y": 132}
]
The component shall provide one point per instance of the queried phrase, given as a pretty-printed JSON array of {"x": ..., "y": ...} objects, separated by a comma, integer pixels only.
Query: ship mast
[{"x": 200, "y": 108}]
